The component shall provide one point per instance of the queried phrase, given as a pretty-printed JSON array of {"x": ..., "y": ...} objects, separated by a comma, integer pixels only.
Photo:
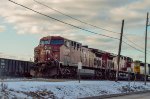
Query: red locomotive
[{"x": 56, "y": 56}]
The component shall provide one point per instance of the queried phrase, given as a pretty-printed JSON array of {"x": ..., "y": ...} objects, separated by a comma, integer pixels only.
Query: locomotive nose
[
  {"x": 47, "y": 48},
  {"x": 48, "y": 53},
  {"x": 51, "y": 53},
  {"x": 42, "y": 53}
]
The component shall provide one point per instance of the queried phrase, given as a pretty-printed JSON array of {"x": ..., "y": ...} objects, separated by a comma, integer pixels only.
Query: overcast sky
[{"x": 21, "y": 29}]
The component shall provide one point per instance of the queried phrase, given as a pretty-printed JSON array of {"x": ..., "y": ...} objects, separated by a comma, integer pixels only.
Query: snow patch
[{"x": 68, "y": 89}]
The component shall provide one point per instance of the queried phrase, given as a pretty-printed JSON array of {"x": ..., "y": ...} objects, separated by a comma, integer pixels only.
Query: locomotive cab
[{"x": 48, "y": 49}]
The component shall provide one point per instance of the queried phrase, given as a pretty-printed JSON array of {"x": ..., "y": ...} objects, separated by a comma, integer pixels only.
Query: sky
[{"x": 21, "y": 29}]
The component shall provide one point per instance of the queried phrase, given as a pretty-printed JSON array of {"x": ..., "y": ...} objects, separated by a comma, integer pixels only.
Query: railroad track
[{"x": 35, "y": 79}]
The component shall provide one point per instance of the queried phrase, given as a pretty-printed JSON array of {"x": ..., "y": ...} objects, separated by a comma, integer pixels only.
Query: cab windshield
[
  {"x": 43, "y": 42},
  {"x": 57, "y": 42},
  {"x": 53, "y": 42}
]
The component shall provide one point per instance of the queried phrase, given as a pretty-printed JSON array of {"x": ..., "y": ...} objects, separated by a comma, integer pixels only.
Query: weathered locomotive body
[{"x": 56, "y": 56}]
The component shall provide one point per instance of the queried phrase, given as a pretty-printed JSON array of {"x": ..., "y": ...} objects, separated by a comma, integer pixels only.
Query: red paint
[
  {"x": 105, "y": 57},
  {"x": 48, "y": 52}
]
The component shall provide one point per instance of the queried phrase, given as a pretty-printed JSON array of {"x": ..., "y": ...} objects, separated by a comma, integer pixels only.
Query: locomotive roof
[
  {"x": 50, "y": 37},
  {"x": 92, "y": 49},
  {"x": 56, "y": 37}
]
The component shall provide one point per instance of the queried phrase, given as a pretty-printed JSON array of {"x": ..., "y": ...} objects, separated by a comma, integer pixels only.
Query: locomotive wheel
[
  {"x": 111, "y": 75},
  {"x": 68, "y": 72},
  {"x": 99, "y": 74},
  {"x": 65, "y": 72}
]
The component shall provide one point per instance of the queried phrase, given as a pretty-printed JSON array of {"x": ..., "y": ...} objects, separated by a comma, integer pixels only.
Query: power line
[
  {"x": 133, "y": 47},
  {"x": 75, "y": 18},
  {"x": 134, "y": 43},
  {"x": 72, "y": 25},
  {"x": 85, "y": 22},
  {"x": 63, "y": 21}
]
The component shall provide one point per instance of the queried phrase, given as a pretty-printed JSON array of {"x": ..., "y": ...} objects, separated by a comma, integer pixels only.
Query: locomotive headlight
[
  {"x": 45, "y": 47},
  {"x": 49, "y": 48}
]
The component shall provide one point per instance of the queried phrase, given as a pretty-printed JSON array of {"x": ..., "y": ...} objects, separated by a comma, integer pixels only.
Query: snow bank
[{"x": 69, "y": 89}]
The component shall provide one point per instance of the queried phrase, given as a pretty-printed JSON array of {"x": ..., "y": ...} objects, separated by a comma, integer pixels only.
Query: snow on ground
[{"x": 67, "y": 89}]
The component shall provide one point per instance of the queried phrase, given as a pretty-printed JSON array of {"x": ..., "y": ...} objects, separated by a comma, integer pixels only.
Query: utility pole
[
  {"x": 119, "y": 51},
  {"x": 146, "y": 46}
]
